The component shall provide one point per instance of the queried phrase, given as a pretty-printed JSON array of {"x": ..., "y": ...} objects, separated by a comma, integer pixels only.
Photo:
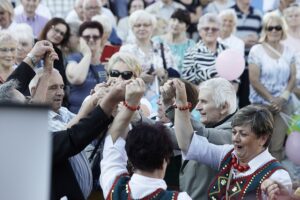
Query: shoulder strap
[{"x": 162, "y": 51}]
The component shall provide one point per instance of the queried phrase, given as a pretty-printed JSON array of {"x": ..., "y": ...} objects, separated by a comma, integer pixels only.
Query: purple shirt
[{"x": 37, "y": 23}]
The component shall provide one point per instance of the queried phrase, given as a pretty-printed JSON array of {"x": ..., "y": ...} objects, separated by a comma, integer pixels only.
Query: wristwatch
[{"x": 32, "y": 59}]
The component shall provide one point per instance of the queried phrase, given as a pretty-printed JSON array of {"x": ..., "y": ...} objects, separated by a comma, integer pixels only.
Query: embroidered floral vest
[
  {"x": 247, "y": 187},
  {"x": 121, "y": 191}
]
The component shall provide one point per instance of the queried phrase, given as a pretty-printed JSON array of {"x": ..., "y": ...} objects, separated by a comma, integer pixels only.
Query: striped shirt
[
  {"x": 57, "y": 122},
  {"x": 199, "y": 63},
  {"x": 247, "y": 24}
]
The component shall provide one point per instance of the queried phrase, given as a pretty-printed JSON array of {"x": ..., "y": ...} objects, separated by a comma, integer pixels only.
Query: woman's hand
[
  {"x": 168, "y": 92},
  {"x": 181, "y": 98},
  {"x": 277, "y": 103},
  {"x": 134, "y": 92},
  {"x": 147, "y": 78}
]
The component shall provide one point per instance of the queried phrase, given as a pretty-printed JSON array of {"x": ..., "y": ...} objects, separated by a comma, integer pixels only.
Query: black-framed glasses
[
  {"x": 276, "y": 28},
  {"x": 88, "y": 37},
  {"x": 57, "y": 31},
  {"x": 212, "y": 29},
  {"x": 126, "y": 75}
]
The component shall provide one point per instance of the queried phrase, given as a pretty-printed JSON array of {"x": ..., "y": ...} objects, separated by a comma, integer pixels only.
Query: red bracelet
[
  {"x": 184, "y": 107},
  {"x": 132, "y": 108}
]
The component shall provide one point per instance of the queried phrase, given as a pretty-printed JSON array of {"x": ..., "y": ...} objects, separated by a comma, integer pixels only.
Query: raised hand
[
  {"x": 134, "y": 92},
  {"x": 41, "y": 48},
  {"x": 180, "y": 92},
  {"x": 168, "y": 92},
  {"x": 49, "y": 60}
]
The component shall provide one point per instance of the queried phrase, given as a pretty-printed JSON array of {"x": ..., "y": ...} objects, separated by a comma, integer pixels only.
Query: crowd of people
[{"x": 137, "y": 107}]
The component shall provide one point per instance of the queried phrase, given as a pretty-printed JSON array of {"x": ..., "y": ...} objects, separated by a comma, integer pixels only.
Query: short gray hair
[
  {"x": 222, "y": 92},
  {"x": 7, "y": 35},
  {"x": 6, "y": 91},
  {"x": 209, "y": 18},
  {"x": 142, "y": 14},
  {"x": 23, "y": 31},
  {"x": 105, "y": 22}
]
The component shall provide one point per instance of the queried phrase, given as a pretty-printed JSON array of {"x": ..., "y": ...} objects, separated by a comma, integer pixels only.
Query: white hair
[
  {"x": 105, "y": 22},
  {"x": 222, "y": 92},
  {"x": 24, "y": 31},
  {"x": 142, "y": 14},
  {"x": 7, "y": 36},
  {"x": 85, "y": 2},
  {"x": 209, "y": 18}
]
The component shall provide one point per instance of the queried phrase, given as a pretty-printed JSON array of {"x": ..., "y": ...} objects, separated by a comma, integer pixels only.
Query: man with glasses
[{"x": 84, "y": 69}]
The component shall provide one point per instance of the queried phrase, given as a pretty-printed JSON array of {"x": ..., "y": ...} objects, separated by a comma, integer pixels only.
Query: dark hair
[
  {"x": 147, "y": 146},
  {"x": 52, "y": 22},
  {"x": 192, "y": 93},
  {"x": 182, "y": 16},
  {"x": 90, "y": 24},
  {"x": 259, "y": 118},
  {"x": 130, "y": 2}
]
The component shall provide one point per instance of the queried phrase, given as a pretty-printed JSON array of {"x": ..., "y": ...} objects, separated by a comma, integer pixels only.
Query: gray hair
[
  {"x": 6, "y": 91},
  {"x": 7, "y": 35},
  {"x": 85, "y": 2},
  {"x": 231, "y": 13},
  {"x": 23, "y": 31},
  {"x": 105, "y": 22},
  {"x": 142, "y": 14},
  {"x": 74, "y": 27},
  {"x": 209, "y": 18},
  {"x": 222, "y": 92}
]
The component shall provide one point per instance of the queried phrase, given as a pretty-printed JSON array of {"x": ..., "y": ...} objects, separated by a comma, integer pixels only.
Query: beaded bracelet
[
  {"x": 184, "y": 107},
  {"x": 132, "y": 108}
]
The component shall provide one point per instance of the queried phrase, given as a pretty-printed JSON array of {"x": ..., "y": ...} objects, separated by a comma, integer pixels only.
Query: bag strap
[
  {"x": 97, "y": 145},
  {"x": 162, "y": 51}
]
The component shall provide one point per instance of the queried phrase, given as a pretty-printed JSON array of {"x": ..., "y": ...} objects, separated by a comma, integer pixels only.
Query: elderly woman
[
  {"x": 227, "y": 37},
  {"x": 24, "y": 34},
  {"x": 292, "y": 18},
  {"x": 176, "y": 38},
  {"x": 155, "y": 59},
  {"x": 243, "y": 166},
  {"x": 6, "y": 15},
  {"x": 123, "y": 28},
  {"x": 8, "y": 46},
  {"x": 199, "y": 61},
  {"x": 57, "y": 32},
  {"x": 84, "y": 69},
  {"x": 272, "y": 76}
]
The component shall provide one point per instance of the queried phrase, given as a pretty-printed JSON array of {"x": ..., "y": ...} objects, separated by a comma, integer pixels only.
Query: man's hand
[
  {"x": 168, "y": 92},
  {"x": 134, "y": 92},
  {"x": 49, "y": 60},
  {"x": 41, "y": 48}
]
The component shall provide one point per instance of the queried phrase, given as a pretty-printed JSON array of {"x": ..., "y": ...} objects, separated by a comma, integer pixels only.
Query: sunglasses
[
  {"x": 271, "y": 28},
  {"x": 126, "y": 75},
  {"x": 206, "y": 29},
  {"x": 88, "y": 37}
]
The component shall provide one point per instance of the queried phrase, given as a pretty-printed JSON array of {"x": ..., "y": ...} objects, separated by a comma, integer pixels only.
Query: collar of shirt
[
  {"x": 63, "y": 113},
  {"x": 29, "y": 18},
  {"x": 142, "y": 186},
  {"x": 256, "y": 162}
]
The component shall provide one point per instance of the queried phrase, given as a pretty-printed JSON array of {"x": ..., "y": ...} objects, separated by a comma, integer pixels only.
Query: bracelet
[
  {"x": 187, "y": 107},
  {"x": 32, "y": 59},
  {"x": 285, "y": 95},
  {"x": 132, "y": 108}
]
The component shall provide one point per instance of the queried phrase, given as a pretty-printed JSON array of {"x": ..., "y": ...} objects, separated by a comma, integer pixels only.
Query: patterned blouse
[
  {"x": 274, "y": 73},
  {"x": 199, "y": 63}
]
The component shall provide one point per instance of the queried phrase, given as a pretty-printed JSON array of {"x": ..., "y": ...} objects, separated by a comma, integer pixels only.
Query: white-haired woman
[
  {"x": 292, "y": 18},
  {"x": 199, "y": 61},
  {"x": 154, "y": 58},
  {"x": 272, "y": 76},
  {"x": 8, "y": 46},
  {"x": 227, "y": 37},
  {"x": 24, "y": 34},
  {"x": 7, "y": 15}
]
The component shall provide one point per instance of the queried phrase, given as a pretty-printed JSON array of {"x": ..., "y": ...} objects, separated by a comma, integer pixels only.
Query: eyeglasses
[
  {"x": 6, "y": 50},
  {"x": 126, "y": 75},
  {"x": 271, "y": 28},
  {"x": 88, "y": 37},
  {"x": 57, "y": 31},
  {"x": 212, "y": 29},
  {"x": 92, "y": 8},
  {"x": 140, "y": 25}
]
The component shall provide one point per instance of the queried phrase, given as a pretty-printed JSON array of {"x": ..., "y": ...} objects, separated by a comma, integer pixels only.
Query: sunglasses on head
[
  {"x": 126, "y": 75},
  {"x": 271, "y": 28}
]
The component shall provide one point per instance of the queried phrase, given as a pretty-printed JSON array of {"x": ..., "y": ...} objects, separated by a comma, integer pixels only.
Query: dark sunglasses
[
  {"x": 88, "y": 37},
  {"x": 271, "y": 28},
  {"x": 125, "y": 75}
]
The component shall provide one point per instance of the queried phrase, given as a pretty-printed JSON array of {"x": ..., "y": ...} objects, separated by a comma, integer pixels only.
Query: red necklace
[{"x": 237, "y": 166}]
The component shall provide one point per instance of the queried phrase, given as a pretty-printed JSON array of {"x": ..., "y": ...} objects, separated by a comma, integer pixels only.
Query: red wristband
[
  {"x": 187, "y": 107},
  {"x": 132, "y": 108}
]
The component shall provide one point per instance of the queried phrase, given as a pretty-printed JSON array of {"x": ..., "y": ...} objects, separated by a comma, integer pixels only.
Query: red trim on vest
[{"x": 114, "y": 184}]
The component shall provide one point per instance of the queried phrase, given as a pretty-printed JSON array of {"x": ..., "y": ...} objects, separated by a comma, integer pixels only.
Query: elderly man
[{"x": 217, "y": 104}]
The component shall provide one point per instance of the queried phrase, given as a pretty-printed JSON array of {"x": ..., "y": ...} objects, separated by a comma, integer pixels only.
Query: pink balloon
[
  {"x": 230, "y": 64},
  {"x": 292, "y": 147}
]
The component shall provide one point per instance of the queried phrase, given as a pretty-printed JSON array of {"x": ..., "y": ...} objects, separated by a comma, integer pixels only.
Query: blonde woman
[
  {"x": 7, "y": 16},
  {"x": 272, "y": 77}
]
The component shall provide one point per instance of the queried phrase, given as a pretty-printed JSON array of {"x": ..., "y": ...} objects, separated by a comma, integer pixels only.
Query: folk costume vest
[
  {"x": 121, "y": 191},
  {"x": 247, "y": 187}
]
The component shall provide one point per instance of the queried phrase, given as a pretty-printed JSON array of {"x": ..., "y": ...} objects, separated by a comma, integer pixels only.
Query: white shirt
[
  {"x": 233, "y": 42},
  {"x": 212, "y": 155},
  {"x": 114, "y": 163}
]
